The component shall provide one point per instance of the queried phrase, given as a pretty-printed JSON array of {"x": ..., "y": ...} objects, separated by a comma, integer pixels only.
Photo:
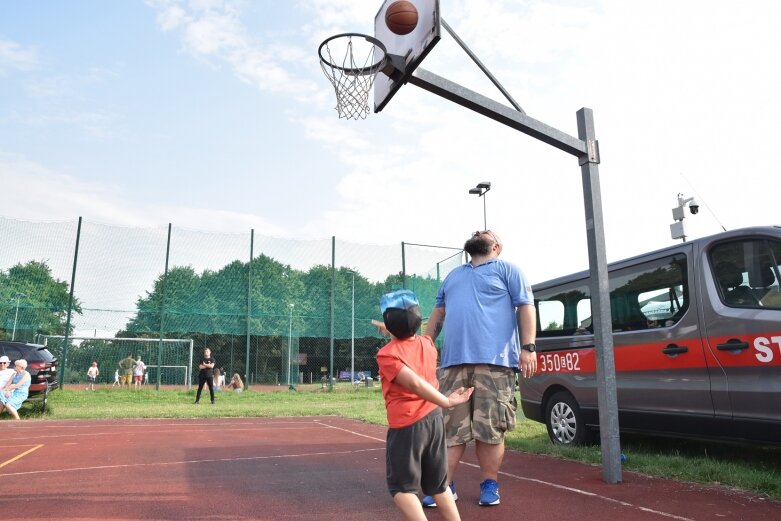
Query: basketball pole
[{"x": 586, "y": 149}]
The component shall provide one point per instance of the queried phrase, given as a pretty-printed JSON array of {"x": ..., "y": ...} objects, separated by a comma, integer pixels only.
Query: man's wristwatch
[{"x": 532, "y": 348}]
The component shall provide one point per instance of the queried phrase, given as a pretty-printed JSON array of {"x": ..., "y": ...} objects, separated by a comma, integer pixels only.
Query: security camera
[{"x": 694, "y": 206}]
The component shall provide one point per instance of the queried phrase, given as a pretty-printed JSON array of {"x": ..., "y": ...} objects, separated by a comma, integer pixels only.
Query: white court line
[
  {"x": 115, "y": 425},
  {"x": 587, "y": 493},
  {"x": 352, "y": 432},
  {"x": 158, "y": 431},
  {"x": 318, "y": 423},
  {"x": 549, "y": 484},
  {"x": 187, "y": 462}
]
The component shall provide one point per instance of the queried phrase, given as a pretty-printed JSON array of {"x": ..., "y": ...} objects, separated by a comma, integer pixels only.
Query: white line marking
[
  {"x": 188, "y": 462},
  {"x": 351, "y": 432},
  {"x": 546, "y": 483},
  {"x": 587, "y": 493},
  {"x": 161, "y": 431},
  {"x": 293, "y": 425}
]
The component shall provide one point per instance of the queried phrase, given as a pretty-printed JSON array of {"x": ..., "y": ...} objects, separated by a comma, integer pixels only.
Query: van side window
[
  {"x": 563, "y": 311},
  {"x": 649, "y": 295},
  {"x": 747, "y": 273}
]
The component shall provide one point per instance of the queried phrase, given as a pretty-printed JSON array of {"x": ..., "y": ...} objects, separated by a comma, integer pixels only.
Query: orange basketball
[{"x": 401, "y": 17}]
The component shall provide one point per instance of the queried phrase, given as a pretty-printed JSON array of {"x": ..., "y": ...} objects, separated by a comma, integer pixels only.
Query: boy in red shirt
[{"x": 415, "y": 454}]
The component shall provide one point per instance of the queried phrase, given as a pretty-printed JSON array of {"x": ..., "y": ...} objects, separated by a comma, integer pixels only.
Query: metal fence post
[
  {"x": 249, "y": 305},
  {"x": 70, "y": 309},
  {"x": 162, "y": 309}
]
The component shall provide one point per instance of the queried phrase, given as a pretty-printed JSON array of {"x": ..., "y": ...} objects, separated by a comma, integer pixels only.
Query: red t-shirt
[{"x": 419, "y": 354}]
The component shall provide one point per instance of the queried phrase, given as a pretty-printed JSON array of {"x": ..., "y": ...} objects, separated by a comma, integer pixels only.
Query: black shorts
[{"x": 416, "y": 457}]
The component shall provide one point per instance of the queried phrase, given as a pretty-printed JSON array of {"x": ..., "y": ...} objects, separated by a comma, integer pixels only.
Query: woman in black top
[{"x": 206, "y": 375}]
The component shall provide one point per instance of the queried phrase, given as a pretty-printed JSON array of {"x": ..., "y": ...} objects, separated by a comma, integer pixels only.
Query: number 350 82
[{"x": 555, "y": 362}]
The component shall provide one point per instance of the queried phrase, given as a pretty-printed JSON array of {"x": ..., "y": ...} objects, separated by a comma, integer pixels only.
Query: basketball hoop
[{"x": 351, "y": 61}]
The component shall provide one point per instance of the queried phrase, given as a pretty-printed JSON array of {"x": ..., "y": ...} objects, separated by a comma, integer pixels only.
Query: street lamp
[
  {"x": 480, "y": 190},
  {"x": 17, "y": 296},
  {"x": 290, "y": 385}
]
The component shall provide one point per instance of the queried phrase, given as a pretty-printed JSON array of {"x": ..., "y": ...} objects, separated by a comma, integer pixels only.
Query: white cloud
[
  {"x": 101, "y": 125},
  {"x": 214, "y": 30},
  {"x": 676, "y": 87},
  {"x": 68, "y": 85},
  {"x": 61, "y": 197},
  {"x": 15, "y": 56}
]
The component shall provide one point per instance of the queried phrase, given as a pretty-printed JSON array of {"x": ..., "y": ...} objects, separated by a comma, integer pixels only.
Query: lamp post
[
  {"x": 290, "y": 385},
  {"x": 17, "y": 296},
  {"x": 480, "y": 190}
]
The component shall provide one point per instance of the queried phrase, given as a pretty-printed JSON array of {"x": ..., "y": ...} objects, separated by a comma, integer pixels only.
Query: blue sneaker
[
  {"x": 429, "y": 502},
  {"x": 489, "y": 493}
]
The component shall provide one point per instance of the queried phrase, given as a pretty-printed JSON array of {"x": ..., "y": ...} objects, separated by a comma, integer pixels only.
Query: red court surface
[{"x": 324, "y": 468}]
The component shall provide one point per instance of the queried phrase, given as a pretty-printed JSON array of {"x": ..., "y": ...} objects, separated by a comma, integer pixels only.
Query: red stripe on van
[{"x": 762, "y": 350}]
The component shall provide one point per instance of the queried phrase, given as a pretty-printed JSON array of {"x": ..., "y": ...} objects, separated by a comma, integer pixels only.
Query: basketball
[{"x": 401, "y": 17}]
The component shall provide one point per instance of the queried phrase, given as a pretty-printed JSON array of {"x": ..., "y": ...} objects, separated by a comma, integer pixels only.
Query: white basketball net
[{"x": 348, "y": 61}]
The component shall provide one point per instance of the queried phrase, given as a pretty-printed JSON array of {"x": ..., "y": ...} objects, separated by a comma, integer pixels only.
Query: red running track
[{"x": 323, "y": 468}]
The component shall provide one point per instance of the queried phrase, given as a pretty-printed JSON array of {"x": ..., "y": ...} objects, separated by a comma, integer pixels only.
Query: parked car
[
  {"x": 696, "y": 343},
  {"x": 41, "y": 364}
]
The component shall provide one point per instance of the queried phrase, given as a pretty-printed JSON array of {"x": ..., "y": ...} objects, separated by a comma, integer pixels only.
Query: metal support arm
[{"x": 503, "y": 114}]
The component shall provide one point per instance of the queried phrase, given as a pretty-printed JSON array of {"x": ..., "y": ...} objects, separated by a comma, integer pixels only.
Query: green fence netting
[{"x": 274, "y": 310}]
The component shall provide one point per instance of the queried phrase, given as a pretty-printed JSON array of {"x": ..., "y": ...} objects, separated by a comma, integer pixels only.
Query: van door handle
[
  {"x": 673, "y": 349},
  {"x": 733, "y": 344}
]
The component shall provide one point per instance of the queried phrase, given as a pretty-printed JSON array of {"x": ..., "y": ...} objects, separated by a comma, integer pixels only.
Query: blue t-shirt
[{"x": 481, "y": 325}]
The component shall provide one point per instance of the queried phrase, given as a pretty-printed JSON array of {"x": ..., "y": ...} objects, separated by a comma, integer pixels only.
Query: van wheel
[
  {"x": 565, "y": 422},
  {"x": 45, "y": 401}
]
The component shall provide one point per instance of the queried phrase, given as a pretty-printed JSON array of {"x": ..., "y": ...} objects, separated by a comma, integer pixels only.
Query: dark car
[{"x": 41, "y": 364}]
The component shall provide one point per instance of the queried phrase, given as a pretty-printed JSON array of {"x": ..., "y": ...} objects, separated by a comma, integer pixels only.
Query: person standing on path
[
  {"x": 92, "y": 376},
  {"x": 138, "y": 373},
  {"x": 206, "y": 375},
  {"x": 126, "y": 370},
  {"x": 416, "y": 453},
  {"x": 479, "y": 306}
]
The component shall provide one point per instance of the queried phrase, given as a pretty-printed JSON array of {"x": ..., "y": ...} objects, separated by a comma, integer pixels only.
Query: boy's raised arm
[{"x": 412, "y": 381}]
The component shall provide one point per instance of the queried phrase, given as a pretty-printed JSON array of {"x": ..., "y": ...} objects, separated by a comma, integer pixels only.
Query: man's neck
[{"x": 477, "y": 260}]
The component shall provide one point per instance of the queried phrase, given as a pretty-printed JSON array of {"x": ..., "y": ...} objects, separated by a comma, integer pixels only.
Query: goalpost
[{"x": 174, "y": 369}]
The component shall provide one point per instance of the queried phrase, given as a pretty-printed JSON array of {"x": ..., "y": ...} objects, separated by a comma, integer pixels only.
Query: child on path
[
  {"x": 416, "y": 455},
  {"x": 138, "y": 373},
  {"x": 116, "y": 378},
  {"x": 92, "y": 376}
]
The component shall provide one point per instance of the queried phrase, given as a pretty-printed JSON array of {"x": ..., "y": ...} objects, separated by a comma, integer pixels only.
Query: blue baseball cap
[
  {"x": 401, "y": 313},
  {"x": 399, "y": 299}
]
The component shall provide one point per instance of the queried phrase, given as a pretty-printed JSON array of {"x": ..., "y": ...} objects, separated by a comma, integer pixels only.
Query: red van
[{"x": 697, "y": 343}]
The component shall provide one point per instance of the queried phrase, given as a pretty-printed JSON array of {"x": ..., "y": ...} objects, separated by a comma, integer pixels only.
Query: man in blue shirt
[{"x": 480, "y": 305}]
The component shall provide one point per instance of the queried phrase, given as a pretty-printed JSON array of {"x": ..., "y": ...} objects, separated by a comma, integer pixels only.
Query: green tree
[{"x": 41, "y": 301}]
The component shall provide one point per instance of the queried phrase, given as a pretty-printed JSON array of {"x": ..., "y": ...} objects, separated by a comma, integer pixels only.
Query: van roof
[{"x": 771, "y": 231}]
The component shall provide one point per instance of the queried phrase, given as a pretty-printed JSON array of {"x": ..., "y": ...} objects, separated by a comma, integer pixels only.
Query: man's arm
[
  {"x": 435, "y": 322},
  {"x": 527, "y": 318}
]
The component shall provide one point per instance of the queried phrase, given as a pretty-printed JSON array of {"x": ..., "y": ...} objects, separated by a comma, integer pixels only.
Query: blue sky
[{"x": 215, "y": 115}]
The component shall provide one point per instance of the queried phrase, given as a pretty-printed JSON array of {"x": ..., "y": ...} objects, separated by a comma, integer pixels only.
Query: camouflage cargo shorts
[{"x": 491, "y": 410}]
